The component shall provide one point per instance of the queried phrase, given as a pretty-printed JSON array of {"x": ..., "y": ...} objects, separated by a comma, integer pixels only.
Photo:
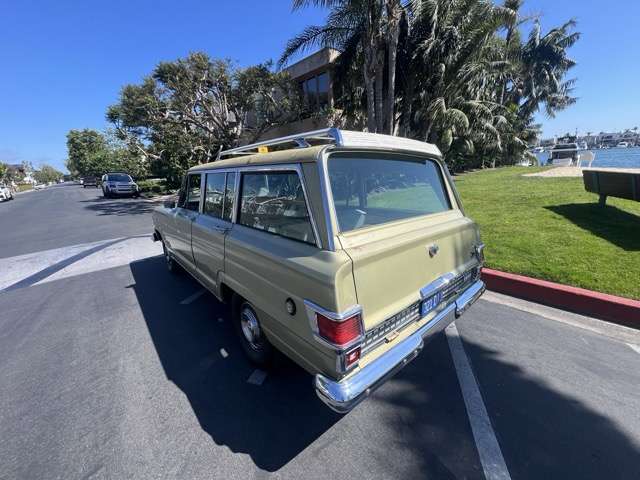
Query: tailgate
[{"x": 392, "y": 263}]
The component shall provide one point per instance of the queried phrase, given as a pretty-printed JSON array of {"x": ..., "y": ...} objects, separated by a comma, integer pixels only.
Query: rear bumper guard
[{"x": 342, "y": 396}]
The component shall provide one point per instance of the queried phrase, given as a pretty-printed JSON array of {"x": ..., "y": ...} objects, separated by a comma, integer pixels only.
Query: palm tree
[
  {"x": 451, "y": 78},
  {"x": 366, "y": 28}
]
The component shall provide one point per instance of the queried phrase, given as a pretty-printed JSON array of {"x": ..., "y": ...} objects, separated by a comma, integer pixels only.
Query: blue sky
[{"x": 64, "y": 62}]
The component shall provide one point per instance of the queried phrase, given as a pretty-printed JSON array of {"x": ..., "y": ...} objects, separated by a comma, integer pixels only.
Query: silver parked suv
[{"x": 114, "y": 184}]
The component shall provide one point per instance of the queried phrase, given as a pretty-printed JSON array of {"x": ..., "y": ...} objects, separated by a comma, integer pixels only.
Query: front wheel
[{"x": 250, "y": 332}]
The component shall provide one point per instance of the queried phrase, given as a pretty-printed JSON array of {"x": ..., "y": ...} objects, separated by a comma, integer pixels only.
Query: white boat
[
  {"x": 570, "y": 155},
  {"x": 623, "y": 145}
]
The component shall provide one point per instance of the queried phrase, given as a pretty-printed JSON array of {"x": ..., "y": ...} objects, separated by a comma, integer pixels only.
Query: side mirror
[{"x": 170, "y": 204}]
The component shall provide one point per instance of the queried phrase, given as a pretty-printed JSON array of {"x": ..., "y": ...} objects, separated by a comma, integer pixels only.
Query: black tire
[
  {"x": 258, "y": 350},
  {"x": 172, "y": 265}
]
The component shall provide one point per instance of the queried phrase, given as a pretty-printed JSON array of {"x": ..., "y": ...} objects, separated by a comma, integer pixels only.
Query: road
[{"x": 110, "y": 367}]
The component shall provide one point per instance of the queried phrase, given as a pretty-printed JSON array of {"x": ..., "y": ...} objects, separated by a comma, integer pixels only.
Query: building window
[{"x": 316, "y": 91}]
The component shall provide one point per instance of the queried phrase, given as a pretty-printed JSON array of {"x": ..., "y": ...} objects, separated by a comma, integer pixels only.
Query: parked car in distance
[
  {"x": 346, "y": 256},
  {"x": 90, "y": 181},
  {"x": 39, "y": 186},
  {"x": 5, "y": 192},
  {"x": 119, "y": 184}
]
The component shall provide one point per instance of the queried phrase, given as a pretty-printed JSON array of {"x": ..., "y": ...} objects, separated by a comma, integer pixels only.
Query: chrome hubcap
[{"x": 250, "y": 326}]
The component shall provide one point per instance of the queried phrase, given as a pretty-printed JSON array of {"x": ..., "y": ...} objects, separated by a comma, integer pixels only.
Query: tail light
[
  {"x": 339, "y": 332},
  {"x": 343, "y": 332}
]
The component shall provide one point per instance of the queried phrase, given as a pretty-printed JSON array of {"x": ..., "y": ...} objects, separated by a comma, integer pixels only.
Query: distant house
[
  {"x": 20, "y": 173},
  {"x": 314, "y": 76}
]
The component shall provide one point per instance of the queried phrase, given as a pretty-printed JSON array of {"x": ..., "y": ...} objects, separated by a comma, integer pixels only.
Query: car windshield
[
  {"x": 119, "y": 177},
  {"x": 372, "y": 190}
]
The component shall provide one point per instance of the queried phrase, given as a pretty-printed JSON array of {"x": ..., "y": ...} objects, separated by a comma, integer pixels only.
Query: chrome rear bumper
[{"x": 343, "y": 395}]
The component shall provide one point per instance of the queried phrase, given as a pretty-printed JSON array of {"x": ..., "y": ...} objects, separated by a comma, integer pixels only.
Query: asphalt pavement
[{"x": 110, "y": 367}]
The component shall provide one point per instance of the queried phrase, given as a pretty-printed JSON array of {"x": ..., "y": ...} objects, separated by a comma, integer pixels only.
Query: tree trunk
[
  {"x": 380, "y": 92},
  {"x": 373, "y": 70},
  {"x": 394, "y": 13},
  {"x": 369, "y": 79}
]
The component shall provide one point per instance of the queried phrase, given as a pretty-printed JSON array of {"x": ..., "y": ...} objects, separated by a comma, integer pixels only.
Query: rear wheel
[{"x": 250, "y": 332}]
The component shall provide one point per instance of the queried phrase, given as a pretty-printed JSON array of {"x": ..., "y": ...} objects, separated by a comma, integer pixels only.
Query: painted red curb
[{"x": 614, "y": 309}]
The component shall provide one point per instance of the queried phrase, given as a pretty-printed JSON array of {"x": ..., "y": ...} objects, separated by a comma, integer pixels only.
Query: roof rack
[{"x": 340, "y": 138}]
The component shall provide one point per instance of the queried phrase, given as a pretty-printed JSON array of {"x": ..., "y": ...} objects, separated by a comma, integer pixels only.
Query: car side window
[
  {"x": 275, "y": 202},
  {"x": 182, "y": 194},
  {"x": 229, "y": 196},
  {"x": 214, "y": 194},
  {"x": 192, "y": 200}
]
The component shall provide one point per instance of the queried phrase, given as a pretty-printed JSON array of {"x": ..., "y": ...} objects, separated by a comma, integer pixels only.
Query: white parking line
[
  {"x": 257, "y": 377},
  {"x": 488, "y": 448},
  {"x": 634, "y": 347},
  {"x": 193, "y": 298}
]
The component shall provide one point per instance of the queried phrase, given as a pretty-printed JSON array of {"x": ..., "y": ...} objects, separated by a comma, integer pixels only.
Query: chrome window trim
[
  {"x": 284, "y": 167},
  {"x": 204, "y": 195},
  {"x": 201, "y": 201},
  {"x": 280, "y": 168},
  {"x": 327, "y": 194},
  {"x": 327, "y": 197}
]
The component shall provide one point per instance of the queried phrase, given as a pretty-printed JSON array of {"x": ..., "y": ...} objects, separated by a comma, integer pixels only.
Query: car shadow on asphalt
[
  {"x": 609, "y": 223},
  {"x": 272, "y": 422},
  {"x": 415, "y": 426},
  {"x": 119, "y": 206}
]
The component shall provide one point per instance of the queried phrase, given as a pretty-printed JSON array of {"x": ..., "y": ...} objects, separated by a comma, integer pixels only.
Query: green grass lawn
[{"x": 551, "y": 228}]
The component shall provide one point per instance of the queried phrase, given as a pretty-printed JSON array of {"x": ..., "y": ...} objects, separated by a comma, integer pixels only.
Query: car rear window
[
  {"x": 370, "y": 190},
  {"x": 118, "y": 177}
]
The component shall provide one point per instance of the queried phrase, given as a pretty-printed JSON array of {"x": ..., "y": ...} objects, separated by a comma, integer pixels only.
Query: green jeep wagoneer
[{"x": 344, "y": 250}]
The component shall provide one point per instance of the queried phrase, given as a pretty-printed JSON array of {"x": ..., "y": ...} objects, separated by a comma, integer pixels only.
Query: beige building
[{"x": 314, "y": 76}]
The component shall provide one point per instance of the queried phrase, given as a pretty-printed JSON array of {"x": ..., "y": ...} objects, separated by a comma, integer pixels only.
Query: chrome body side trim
[{"x": 342, "y": 396}]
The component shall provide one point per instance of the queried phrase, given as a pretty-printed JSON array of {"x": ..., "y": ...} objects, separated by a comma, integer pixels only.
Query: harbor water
[{"x": 607, "y": 158}]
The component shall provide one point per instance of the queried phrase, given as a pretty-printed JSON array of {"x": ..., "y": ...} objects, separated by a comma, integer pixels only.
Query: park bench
[{"x": 621, "y": 183}]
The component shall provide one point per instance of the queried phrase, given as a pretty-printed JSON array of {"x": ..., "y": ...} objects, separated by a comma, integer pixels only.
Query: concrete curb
[{"x": 620, "y": 310}]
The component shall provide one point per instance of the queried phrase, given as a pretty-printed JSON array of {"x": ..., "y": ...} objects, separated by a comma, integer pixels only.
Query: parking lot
[{"x": 110, "y": 367}]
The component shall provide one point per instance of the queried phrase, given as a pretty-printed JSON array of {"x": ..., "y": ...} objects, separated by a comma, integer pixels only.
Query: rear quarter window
[{"x": 275, "y": 202}]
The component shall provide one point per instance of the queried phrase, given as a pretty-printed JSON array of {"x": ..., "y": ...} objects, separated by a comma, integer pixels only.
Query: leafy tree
[
  {"x": 83, "y": 146},
  {"x": 188, "y": 109},
  {"x": 47, "y": 174},
  {"x": 93, "y": 153},
  {"x": 3, "y": 170}
]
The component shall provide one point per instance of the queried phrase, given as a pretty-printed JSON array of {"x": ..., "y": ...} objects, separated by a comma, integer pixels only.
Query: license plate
[{"x": 430, "y": 303}]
